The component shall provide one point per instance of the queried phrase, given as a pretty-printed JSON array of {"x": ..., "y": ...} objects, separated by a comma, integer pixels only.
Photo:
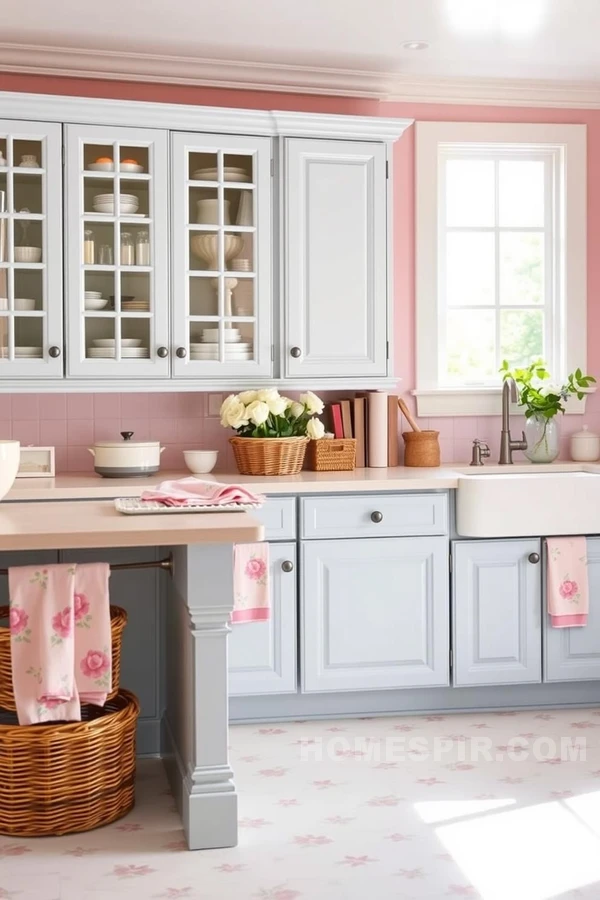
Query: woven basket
[
  {"x": 118, "y": 621},
  {"x": 332, "y": 455},
  {"x": 421, "y": 448},
  {"x": 269, "y": 456},
  {"x": 62, "y": 778}
]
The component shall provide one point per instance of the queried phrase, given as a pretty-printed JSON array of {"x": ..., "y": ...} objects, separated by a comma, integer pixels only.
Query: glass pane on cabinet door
[
  {"x": 99, "y": 337},
  {"x": 135, "y": 338},
  {"x": 136, "y": 292},
  {"x": 240, "y": 205},
  {"x": 204, "y": 298},
  {"x": 212, "y": 341},
  {"x": 238, "y": 168},
  {"x": 98, "y": 244},
  {"x": 28, "y": 154},
  {"x": 98, "y": 158},
  {"x": 28, "y": 289},
  {"x": 134, "y": 198},
  {"x": 29, "y": 337},
  {"x": 205, "y": 207},
  {"x": 27, "y": 192},
  {"x": 133, "y": 160},
  {"x": 202, "y": 167},
  {"x": 27, "y": 241}
]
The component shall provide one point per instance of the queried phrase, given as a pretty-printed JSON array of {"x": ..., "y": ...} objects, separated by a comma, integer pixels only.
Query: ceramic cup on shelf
[
  {"x": 29, "y": 161},
  {"x": 585, "y": 446},
  {"x": 208, "y": 212}
]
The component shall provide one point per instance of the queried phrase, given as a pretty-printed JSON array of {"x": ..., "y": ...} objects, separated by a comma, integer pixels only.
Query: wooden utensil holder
[{"x": 421, "y": 448}]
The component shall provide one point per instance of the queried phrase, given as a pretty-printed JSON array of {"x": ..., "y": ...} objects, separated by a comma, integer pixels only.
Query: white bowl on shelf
[
  {"x": 95, "y": 303},
  {"x": 28, "y": 254},
  {"x": 200, "y": 462},
  {"x": 131, "y": 167},
  {"x": 24, "y": 303},
  {"x": 102, "y": 167},
  {"x": 105, "y": 203},
  {"x": 10, "y": 452}
]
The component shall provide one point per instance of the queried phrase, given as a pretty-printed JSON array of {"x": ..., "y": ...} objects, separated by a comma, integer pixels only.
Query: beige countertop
[
  {"x": 96, "y": 523},
  {"x": 80, "y": 486}
]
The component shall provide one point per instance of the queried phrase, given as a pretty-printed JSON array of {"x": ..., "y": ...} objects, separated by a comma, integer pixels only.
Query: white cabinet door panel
[
  {"x": 496, "y": 612},
  {"x": 262, "y": 655},
  {"x": 573, "y": 654},
  {"x": 335, "y": 212},
  {"x": 374, "y": 614}
]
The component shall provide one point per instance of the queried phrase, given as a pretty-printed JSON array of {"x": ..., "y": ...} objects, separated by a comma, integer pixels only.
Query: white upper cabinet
[
  {"x": 335, "y": 259},
  {"x": 222, "y": 236},
  {"x": 117, "y": 252},
  {"x": 31, "y": 303}
]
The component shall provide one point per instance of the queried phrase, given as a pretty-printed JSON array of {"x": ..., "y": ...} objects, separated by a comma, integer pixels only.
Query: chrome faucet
[{"x": 507, "y": 445}]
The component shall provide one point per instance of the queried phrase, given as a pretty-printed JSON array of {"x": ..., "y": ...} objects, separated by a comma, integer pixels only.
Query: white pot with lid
[
  {"x": 122, "y": 459},
  {"x": 585, "y": 446}
]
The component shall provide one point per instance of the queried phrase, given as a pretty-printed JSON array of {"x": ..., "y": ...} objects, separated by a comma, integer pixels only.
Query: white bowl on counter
[
  {"x": 10, "y": 452},
  {"x": 28, "y": 254},
  {"x": 200, "y": 462}
]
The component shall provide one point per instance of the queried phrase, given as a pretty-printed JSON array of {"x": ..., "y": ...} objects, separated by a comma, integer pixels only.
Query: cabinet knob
[
  {"x": 54, "y": 352},
  {"x": 377, "y": 517},
  {"x": 296, "y": 352},
  {"x": 534, "y": 558},
  {"x": 162, "y": 352},
  {"x": 181, "y": 352},
  {"x": 287, "y": 566}
]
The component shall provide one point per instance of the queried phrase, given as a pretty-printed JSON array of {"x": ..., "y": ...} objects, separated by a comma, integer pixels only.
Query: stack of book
[{"x": 376, "y": 435}]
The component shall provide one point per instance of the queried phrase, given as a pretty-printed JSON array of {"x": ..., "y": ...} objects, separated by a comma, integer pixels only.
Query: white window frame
[{"x": 566, "y": 146}]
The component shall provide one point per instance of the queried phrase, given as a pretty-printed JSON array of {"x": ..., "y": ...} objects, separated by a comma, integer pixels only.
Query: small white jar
[{"x": 585, "y": 446}]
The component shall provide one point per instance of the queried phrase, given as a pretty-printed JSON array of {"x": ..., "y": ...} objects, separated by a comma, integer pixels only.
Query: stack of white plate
[
  {"x": 28, "y": 352},
  {"x": 230, "y": 173},
  {"x": 211, "y": 335},
  {"x": 233, "y": 352},
  {"x": 105, "y": 203},
  {"x": 104, "y": 348},
  {"x": 135, "y": 305}
]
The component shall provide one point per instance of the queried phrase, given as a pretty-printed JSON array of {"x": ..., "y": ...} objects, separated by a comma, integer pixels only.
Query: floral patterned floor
[{"x": 356, "y": 810}]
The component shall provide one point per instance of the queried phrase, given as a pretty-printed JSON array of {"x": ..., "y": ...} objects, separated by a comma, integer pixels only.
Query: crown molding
[
  {"x": 111, "y": 65},
  {"x": 67, "y": 62},
  {"x": 317, "y": 125}
]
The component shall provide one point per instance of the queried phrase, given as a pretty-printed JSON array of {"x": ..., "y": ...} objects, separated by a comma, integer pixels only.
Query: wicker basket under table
[
  {"x": 67, "y": 777},
  {"x": 118, "y": 621}
]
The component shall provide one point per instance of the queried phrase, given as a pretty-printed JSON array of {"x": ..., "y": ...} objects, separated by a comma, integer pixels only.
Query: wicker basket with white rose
[{"x": 271, "y": 431}]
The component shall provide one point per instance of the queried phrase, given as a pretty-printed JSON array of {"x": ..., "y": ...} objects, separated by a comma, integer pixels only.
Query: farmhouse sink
[{"x": 527, "y": 503}]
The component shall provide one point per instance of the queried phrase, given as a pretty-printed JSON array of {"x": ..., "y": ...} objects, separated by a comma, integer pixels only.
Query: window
[{"x": 501, "y": 262}]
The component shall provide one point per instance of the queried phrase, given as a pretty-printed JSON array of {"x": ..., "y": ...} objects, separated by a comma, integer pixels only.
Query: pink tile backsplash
[{"x": 72, "y": 423}]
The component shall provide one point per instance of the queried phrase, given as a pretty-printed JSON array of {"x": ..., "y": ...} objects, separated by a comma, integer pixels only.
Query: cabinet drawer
[
  {"x": 376, "y": 515},
  {"x": 278, "y": 515}
]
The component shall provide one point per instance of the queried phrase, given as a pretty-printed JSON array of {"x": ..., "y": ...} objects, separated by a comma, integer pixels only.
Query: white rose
[
  {"x": 233, "y": 412},
  {"x": 312, "y": 403},
  {"x": 277, "y": 407},
  {"x": 267, "y": 395},
  {"x": 248, "y": 396},
  {"x": 257, "y": 412},
  {"x": 288, "y": 402},
  {"x": 315, "y": 429},
  {"x": 297, "y": 410}
]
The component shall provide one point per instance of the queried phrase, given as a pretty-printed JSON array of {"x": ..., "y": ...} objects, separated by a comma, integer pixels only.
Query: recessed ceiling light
[{"x": 415, "y": 45}]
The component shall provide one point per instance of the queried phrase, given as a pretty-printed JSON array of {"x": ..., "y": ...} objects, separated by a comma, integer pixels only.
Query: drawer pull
[
  {"x": 534, "y": 558},
  {"x": 377, "y": 517},
  {"x": 287, "y": 566}
]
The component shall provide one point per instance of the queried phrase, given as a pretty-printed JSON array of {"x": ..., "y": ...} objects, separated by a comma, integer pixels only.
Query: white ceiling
[{"x": 322, "y": 41}]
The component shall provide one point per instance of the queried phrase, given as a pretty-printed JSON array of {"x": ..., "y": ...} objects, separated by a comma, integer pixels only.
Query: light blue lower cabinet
[
  {"x": 496, "y": 603},
  {"x": 573, "y": 654},
  {"x": 375, "y": 614},
  {"x": 262, "y": 655}
]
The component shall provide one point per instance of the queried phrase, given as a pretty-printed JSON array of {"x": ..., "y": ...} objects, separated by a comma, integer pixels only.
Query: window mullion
[{"x": 497, "y": 261}]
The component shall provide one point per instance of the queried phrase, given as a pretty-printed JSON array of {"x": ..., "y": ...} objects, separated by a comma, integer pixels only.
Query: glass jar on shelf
[
  {"x": 127, "y": 249},
  {"x": 142, "y": 248},
  {"x": 89, "y": 247}
]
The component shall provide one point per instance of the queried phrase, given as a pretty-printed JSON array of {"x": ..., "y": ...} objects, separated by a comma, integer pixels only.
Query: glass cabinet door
[
  {"x": 118, "y": 307},
  {"x": 221, "y": 256},
  {"x": 31, "y": 342}
]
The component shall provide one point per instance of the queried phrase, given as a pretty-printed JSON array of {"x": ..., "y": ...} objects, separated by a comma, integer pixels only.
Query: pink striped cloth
[
  {"x": 567, "y": 589},
  {"x": 195, "y": 492},
  {"x": 251, "y": 590},
  {"x": 60, "y": 640}
]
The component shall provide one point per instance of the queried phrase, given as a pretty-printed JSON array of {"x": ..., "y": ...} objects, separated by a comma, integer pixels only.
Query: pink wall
[{"x": 70, "y": 422}]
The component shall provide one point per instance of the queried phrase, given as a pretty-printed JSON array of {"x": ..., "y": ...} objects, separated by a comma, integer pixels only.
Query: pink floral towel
[
  {"x": 60, "y": 640},
  {"x": 195, "y": 492},
  {"x": 567, "y": 589},
  {"x": 251, "y": 600}
]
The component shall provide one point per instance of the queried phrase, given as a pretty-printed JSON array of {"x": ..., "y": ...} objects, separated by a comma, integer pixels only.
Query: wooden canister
[{"x": 421, "y": 448}]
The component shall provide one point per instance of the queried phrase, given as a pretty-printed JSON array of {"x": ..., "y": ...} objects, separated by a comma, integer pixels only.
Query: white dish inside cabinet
[{"x": 117, "y": 253}]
